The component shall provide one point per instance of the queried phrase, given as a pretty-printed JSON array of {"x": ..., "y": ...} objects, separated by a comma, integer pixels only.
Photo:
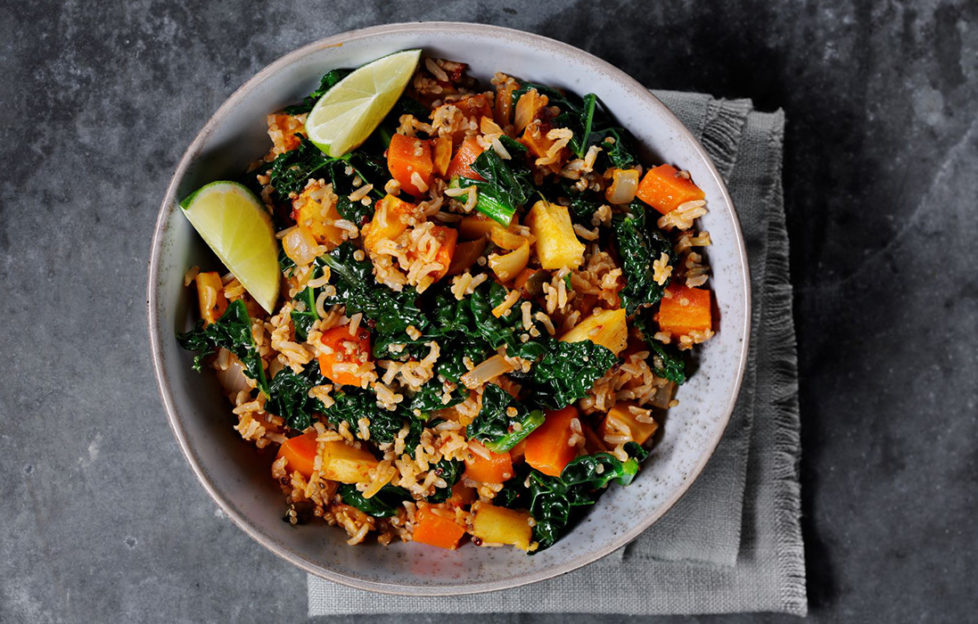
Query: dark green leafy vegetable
[
  {"x": 429, "y": 398},
  {"x": 289, "y": 396},
  {"x": 233, "y": 332},
  {"x": 507, "y": 185},
  {"x": 503, "y": 421},
  {"x": 451, "y": 471},
  {"x": 665, "y": 361},
  {"x": 326, "y": 83},
  {"x": 384, "y": 504},
  {"x": 355, "y": 212},
  {"x": 356, "y": 288},
  {"x": 567, "y": 371},
  {"x": 615, "y": 146},
  {"x": 556, "y": 502},
  {"x": 638, "y": 247},
  {"x": 292, "y": 170}
]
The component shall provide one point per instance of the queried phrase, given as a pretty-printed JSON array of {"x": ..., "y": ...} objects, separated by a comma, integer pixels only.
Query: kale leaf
[
  {"x": 429, "y": 398},
  {"x": 451, "y": 471},
  {"x": 289, "y": 396},
  {"x": 555, "y": 502},
  {"x": 356, "y": 288},
  {"x": 666, "y": 361},
  {"x": 292, "y": 170},
  {"x": 495, "y": 427},
  {"x": 638, "y": 247},
  {"x": 567, "y": 371},
  {"x": 326, "y": 83},
  {"x": 232, "y": 332},
  {"x": 384, "y": 504},
  {"x": 506, "y": 185}
]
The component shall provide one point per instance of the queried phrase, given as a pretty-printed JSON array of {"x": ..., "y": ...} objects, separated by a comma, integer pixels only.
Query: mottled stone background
[{"x": 103, "y": 520}]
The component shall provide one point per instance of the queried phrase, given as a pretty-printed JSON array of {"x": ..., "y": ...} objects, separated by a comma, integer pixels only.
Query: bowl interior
[{"x": 237, "y": 475}]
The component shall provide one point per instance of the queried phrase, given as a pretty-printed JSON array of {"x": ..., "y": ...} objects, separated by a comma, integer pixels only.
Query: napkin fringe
[
  {"x": 722, "y": 132},
  {"x": 783, "y": 357}
]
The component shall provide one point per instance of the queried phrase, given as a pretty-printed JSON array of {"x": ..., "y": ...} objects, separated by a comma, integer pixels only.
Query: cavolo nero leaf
[
  {"x": 665, "y": 360},
  {"x": 233, "y": 332},
  {"x": 289, "y": 396},
  {"x": 502, "y": 422},
  {"x": 507, "y": 185},
  {"x": 384, "y": 504},
  {"x": 567, "y": 371},
  {"x": 451, "y": 471},
  {"x": 555, "y": 502},
  {"x": 638, "y": 247}
]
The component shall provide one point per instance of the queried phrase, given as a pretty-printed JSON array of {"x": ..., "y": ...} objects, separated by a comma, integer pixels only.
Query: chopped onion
[
  {"x": 486, "y": 371},
  {"x": 623, "y": 186},
  {"x": 233, "y": 379},
  {"x": 300, "y": 246}
]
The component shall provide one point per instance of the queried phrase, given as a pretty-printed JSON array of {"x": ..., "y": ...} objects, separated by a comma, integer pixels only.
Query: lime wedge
[
  {"x": 346, "y": 114},
  {"x": 236, "y": 227}
]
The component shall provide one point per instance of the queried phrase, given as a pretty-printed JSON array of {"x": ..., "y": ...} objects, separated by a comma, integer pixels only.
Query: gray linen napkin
[{"x": 733, "y": 542}]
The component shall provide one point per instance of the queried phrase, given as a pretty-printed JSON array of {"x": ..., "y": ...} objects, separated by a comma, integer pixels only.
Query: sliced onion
[
  {"x": 623, "y": 187},
  {"x": 486, "y": 371},
  {"x": 233, "y": 379},
  {"x": 300, "y": 246}
]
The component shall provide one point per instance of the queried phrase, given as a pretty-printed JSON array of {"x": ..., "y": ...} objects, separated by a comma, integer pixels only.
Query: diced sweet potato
[
  {"x": 345, "y": 463},
  {"x": 621, "y": 421}
]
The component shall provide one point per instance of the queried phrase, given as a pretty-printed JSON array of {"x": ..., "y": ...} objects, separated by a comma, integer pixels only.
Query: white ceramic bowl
[{"x": 238, "y": 476}]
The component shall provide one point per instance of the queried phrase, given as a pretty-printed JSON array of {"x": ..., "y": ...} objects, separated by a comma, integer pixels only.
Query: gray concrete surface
[{"x": 102, "y": 519}]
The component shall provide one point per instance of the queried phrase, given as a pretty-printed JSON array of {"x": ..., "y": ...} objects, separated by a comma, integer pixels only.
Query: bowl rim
[{"x": 163, "y": 385}]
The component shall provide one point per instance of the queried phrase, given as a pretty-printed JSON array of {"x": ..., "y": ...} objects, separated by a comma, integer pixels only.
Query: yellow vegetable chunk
[
  {"x": 607, "y": 328},
  {"x": 557, "y": 245},
  {"x": 390, "y": 220},
  {"x": 508, "y": 266},
  {"x": 315, "y": 212},
  {"x": 621, "y": 420},
  {"x": 345, "y": 463},
  {"x": 498, "y": 525}
]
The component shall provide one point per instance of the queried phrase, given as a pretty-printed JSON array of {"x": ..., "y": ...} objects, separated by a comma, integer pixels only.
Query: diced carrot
[
  {"x": 435, "y": 529},
  {"x": 665, "y": 189},
  {"x": 484, "y": 466},
  {"x": 441, "y": 149},
  {"x": 300, "y": 453},
  {"x": 548, "y": 448},
  {"x": 475, "y": 106},
  {"x": 461, "y": 495},
  {"x": 518, "y": 452},
  {"x": 210, "y": 296},
  {"x": 466, "y": 254},
  {"x": 448, "y": 237},
  {"x": 407, "y": 156},
  {"x": 391, "y": 216},
  {"x": 535, "y": 139},
  {"x": 347, "y": 349},
  {"x": 684, "y": 310},
  {"x": 467, "y": 152}
]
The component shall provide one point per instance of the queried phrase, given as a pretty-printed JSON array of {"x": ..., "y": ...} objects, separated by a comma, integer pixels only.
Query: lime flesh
[
  {"x": 346, "y": 114},
  {"x": 237, "y": 228}
]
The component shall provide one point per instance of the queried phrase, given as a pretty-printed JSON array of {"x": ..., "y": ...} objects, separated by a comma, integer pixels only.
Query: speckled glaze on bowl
[{"x": 237, "y": 475}]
